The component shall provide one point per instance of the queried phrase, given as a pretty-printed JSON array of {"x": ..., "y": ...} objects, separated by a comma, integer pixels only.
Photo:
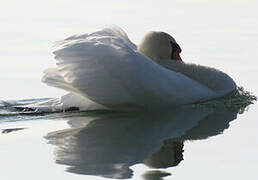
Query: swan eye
[{"x": 175, "y": 47}]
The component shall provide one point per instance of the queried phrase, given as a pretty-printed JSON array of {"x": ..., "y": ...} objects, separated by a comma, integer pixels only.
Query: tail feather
[{"x": 53, "y": 78}]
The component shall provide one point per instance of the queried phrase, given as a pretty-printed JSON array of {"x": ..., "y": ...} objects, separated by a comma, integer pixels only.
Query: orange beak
[{"x": 176, "y": 56}]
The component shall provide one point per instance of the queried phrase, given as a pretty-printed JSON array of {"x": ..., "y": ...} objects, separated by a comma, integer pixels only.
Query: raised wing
[{"x": 106, "y": 68}]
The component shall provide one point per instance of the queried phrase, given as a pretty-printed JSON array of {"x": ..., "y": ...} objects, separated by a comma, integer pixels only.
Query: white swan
[{"x": 107, "y": 69}]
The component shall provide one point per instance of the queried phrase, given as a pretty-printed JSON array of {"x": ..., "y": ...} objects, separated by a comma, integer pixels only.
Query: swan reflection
[
  {"x": 109, "y": 144},
  {"x": 155, "y": 175}
]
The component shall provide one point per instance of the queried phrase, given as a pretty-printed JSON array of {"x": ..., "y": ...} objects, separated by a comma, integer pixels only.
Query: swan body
[{"x": 106, "y": 68}]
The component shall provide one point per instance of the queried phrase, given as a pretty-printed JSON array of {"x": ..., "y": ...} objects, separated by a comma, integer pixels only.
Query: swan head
[{"x": 160, "y": 46}]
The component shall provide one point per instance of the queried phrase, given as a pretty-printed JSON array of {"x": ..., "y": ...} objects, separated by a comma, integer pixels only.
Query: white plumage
[{"x": 106, "y": 68}]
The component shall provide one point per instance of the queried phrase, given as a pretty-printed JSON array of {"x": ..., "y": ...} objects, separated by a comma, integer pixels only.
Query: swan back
[{"x": 212, "y": 78}]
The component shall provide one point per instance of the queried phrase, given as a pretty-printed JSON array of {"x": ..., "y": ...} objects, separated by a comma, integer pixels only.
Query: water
[
  {"x": 218, "y": 143},
  {"x": 115, "y": 145}
]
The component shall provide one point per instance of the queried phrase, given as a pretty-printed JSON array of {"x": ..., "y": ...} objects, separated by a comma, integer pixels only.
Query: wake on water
[{"x": 237, "y": 101}]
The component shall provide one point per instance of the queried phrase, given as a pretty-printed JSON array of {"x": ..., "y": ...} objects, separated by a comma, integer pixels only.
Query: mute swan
[{"x": 105, "y": 68}]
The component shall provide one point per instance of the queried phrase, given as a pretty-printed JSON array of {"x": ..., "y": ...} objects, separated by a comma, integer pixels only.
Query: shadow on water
[
  {"x": 9, "y": 130},
  {"x": 108, "y": 145}
]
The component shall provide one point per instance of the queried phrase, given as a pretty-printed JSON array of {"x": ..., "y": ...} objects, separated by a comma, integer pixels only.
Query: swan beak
[{"x": 176, "y": 56}]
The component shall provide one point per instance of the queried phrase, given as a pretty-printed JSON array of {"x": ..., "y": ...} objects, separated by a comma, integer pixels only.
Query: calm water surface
[{"x": 180, "y": 143}]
